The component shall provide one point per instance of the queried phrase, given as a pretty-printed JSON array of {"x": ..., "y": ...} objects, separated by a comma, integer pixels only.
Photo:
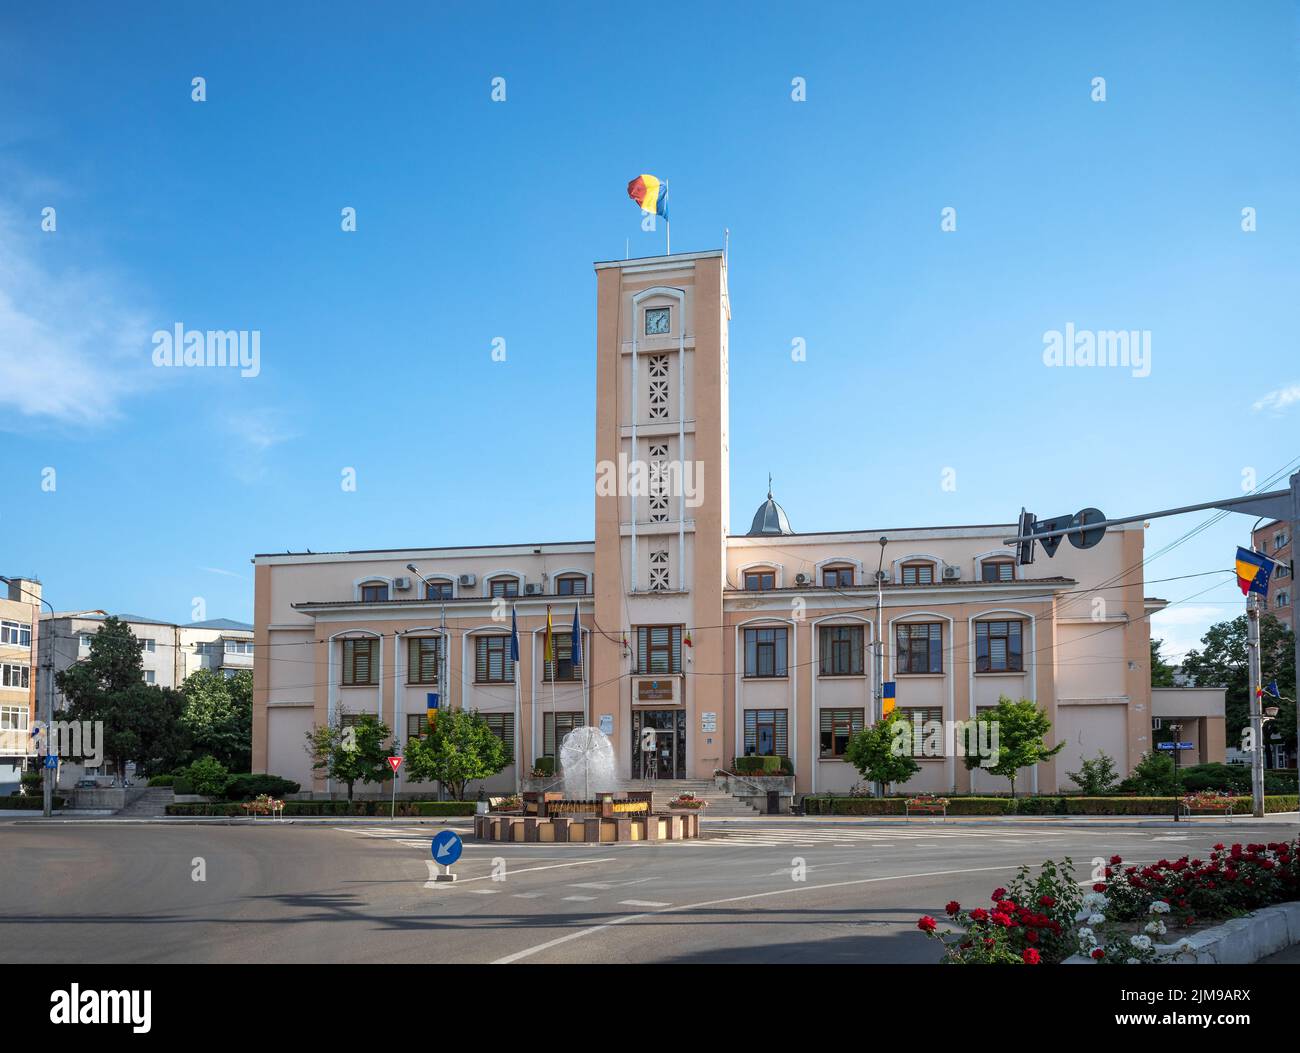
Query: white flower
[
  {"x": 1095, "y": 901},
  {"x": 1096, "y": 919},
  {"x": 1159, "y": 907},
  {"x": 1156, "y": 927},
  {"x": 1132, "y": 961},
  {"x": 1142, "y": 943},
  {"x": 1087, "y": 940}
]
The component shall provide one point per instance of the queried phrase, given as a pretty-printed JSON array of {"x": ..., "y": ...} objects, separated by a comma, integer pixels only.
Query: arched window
[
  {"x": 503, "y": 585},
  {"x": 837, "y": 576},
  {"x": 917, "y": 572},
  {"x": 374, "y": 591},
  {"x": 439, "y": 589},
  {"x": 998, "y": 570},
  {"x": 760, "y": 579},
  {"x": 571, "y": 585}
]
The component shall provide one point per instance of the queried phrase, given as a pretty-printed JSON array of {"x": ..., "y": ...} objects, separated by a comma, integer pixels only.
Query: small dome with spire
[{"x": 770, "y": 519}]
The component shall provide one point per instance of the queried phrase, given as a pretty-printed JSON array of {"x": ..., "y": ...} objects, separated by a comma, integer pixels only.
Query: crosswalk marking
[{"x": 641, "y": 903}]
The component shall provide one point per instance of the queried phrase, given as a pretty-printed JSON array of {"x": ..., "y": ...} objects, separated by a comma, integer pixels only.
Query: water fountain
[
  {"x": 589, "y": 808},
  {"x": 587, "y": 761}
]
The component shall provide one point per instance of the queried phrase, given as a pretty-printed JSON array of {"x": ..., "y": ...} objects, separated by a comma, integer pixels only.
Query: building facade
[
  {"x": 20, "y": 610},
  {"x": 1276, "y": 540},
  {"x": 699, "y": 644}
]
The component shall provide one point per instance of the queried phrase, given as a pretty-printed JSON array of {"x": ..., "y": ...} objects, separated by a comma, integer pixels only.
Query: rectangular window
[
  {"x": 239, "y": 646},
  {"x": 997, "y": 570},
  {"x": 19, "y": 634},
  {"x": 149, "y": 676},
  {"x": 837, "y": 727},
  {"x": 841, "y": 650},
  {"x": 502, "y": 725},
  {"x": 505, "y": 586},
  {"x": 659, "y": 649},
  {"x": 15, "y": 676},
  {"x": 85, "y": 640},
  {"x": 571, "y": 587},
  {"x": 13, "y": 718},
  {"x": 562, "y": 668},
  {"x": 765, "y": 652},
  {"x": 926, "y": 713},
  {"x": 837, "y": 577},
  {"x": 360, "y": 662},
  {"x": 920, "y": 648},
  {"x": 422, "y": 660},
  {"x": 555, "y": 726},
  {"x": 997, "y": 647},
  {"x": 492, "y": 662},
  {"x": 766, "y": 733},
  {"x": 918, "y": 573},
  {"x": 148, "y": 646},
  {"x": 417, "y": 725},
  {"x": 438, "y": 590},
  {"x": 760, "y": 580},
  {"x": 374, "y": 593}
]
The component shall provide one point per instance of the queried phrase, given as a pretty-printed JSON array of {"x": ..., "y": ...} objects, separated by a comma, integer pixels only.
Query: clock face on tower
[{"x": 656, "y": 321}]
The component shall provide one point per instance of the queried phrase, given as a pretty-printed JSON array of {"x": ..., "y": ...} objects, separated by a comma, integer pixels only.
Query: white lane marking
[
  {"x": 600, "y": 886},
  {"x": 641, "y": 903},
  {"x": 527, "y": 895},
  {"x": 579, "y": 899},
  {"x": 528, "y": 952},
  {"x": 509, "y": 873},
  {"x": 485, "y": 891}
]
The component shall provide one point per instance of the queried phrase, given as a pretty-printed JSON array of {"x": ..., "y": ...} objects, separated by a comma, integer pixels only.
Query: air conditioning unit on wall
[
  {"x": 883, "y": 577},
  {"x": 802, "y": 579},
  {"x": 951, "y": 573},
  {"x": 532, "y": 590},
  {"x": 401, "y": 584},
  {"x": 468, "y": 580}
]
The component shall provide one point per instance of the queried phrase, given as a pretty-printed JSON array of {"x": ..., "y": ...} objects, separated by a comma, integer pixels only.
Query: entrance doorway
[{"x": 658, "y": 744}]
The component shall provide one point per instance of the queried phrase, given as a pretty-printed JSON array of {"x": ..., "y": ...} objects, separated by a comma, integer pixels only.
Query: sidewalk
[{"x": 1212, "y": 821}]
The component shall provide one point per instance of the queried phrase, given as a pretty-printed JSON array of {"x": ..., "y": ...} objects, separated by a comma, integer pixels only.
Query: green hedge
[
  {"x": 1046, "y": 805},
  {"x": 245, "y": 787},
  {"x": 415, "y": 809},
  {"x": 162, "y": 780},
  {"x": 757, "y": 765},
  {"x": 28, "y": 803}
]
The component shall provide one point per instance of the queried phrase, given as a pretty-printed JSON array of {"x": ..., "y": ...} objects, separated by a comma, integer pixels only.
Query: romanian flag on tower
[
  {"x": 1253, "y": 570},
  {"x": 651, "y": 194}
]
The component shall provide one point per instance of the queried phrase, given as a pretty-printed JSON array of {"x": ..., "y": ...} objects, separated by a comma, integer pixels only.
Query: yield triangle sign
[{"x": 394, "y": 763}]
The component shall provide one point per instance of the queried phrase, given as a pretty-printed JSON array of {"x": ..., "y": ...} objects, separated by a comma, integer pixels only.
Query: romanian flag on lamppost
[
  {"x": 548, "y": 649},
  {"x": 651, "y": 194},
  {"x": 1253, "y": 570}
]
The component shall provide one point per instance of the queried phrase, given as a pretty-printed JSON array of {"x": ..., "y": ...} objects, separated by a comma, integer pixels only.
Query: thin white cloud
[
  {"x": 223, "y": 573},
  {"x": 1181, "y": 627},
  {"x": 71, "y": 347},
  {"x": 258, "y": 432},
  {"x": 1278, "y": 401}
]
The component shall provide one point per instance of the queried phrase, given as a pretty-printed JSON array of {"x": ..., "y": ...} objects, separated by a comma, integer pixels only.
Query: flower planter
[{"x": 1241, "y": 941}]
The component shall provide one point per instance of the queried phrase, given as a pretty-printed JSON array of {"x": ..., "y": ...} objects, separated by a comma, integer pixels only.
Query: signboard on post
[
  {"x": 1175, "y": 745},
  {"x": 887, "y": 699},
  {"x": 394, "y": 763},
  {"x": 446, "y": 848}
]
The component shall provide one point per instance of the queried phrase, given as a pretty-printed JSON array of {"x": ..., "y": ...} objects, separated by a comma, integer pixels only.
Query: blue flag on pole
[
  {"x": 514, "y": 636},
  {"x": 577, "y": 639},
  {"x": 1272, "y": 689}
]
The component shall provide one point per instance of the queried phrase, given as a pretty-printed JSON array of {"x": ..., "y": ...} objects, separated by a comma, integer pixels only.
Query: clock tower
[{"x": 658, "y": 659}]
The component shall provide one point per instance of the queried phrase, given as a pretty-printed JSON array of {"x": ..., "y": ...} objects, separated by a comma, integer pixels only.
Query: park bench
[
  {"x": 1215, "y": 804},
  {"x": 926, "y": 804}
]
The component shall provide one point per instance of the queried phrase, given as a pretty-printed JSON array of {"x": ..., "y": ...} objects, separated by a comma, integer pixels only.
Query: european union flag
[{"x": 1253, "y": 570}]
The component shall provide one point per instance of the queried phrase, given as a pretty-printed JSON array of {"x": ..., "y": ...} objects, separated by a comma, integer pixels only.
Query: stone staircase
[
  {"x": 721, "y": 805},
  {"x": 153, "y": 802}
]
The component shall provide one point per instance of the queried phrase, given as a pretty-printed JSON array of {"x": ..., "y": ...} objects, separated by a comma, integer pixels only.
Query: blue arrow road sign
[
  {"x": 447, "y": 847},
  {"x": 51, "y": 760}
]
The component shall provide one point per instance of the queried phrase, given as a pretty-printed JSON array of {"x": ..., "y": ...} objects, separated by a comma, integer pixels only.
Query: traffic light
[{"x": 1025, "y": 546}]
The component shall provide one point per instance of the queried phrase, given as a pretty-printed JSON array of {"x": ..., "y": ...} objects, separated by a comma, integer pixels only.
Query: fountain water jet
[{"x": 587, "y": 762}]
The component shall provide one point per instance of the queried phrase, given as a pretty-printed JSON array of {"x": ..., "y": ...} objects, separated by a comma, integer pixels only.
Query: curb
[{"x": 1241, "y": 941}]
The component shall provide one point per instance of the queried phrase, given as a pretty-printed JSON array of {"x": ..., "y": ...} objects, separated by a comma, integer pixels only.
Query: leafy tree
[
  {"x": 1223, "y": 662},
  {"x": 209, "y": 777},
  {"x": 1153, "y": 776},
  {"x": 460, "y": 748},
  {"x": 350, "y": 753},
  {"x": 1096, "y": 776},
  {"x": 1162, "y": 673},
  {"x": 873, "y": 751},
  {"x": 1021, "y": 729},
  {"x": 140, "y": 720},
  {"x": 218, "y": 716}
]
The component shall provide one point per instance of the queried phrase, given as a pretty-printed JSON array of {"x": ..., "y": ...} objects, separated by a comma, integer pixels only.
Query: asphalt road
[{"x": 105, "y": 892}]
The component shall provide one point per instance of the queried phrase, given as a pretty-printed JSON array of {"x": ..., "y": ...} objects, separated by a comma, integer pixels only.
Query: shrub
[
  {"x": 246, "y": 787},
  {"x": 1153, "y": 776},
  {"x": 208, "y": 777},
  {"x": 1096, "y": 777},
  {"x": 354, "y": 807},
  {"x": 26, "y": 803},
  {"x": 162, "y": 780},
  {"x": 757, "y": 765},
  {"x": 1226, "y": 777}
]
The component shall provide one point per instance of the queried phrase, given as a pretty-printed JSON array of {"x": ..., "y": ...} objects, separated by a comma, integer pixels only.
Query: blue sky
[{"x": 479, "y": 220}]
